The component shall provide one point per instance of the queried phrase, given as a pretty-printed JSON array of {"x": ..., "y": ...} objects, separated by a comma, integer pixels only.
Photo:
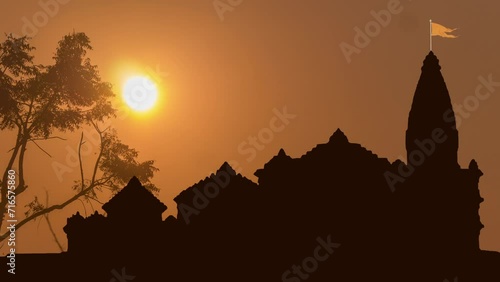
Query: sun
[{"x": 140, "y": 93}]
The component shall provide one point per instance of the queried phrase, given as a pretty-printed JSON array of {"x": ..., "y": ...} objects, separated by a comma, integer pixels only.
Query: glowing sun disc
[{"x": 140, "y": 93}]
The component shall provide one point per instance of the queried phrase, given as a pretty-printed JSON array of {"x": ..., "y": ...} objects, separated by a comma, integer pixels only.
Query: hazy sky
[{"x": 223, "y": 74}]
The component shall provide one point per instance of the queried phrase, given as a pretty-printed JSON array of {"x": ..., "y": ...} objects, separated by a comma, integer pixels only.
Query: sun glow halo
[{"x": 140, "y": 93}]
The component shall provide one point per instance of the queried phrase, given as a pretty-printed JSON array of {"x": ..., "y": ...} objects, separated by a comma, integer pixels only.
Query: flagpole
[{"x": 430, "y": 34}]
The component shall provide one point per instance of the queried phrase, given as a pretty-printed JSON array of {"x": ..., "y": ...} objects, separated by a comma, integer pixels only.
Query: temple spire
[{"x": 431, "y": 122}]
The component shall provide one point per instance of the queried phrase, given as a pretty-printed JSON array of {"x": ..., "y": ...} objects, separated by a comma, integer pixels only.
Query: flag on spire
[{"x": 440, "y": 30}]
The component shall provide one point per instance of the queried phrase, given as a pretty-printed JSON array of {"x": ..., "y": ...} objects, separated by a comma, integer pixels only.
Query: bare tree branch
[
  {"x": 53, "y": 233},
  {"x": 96, "y": 200},
  {"x": 84, "y": 207},
  {"x": 50, "y": 225},
  {"x": 80, "y": 161},
  {"x": 48, "y": 138},
  {"x": 96, "y": 166},
  {"x": 40, "y": 148},
  {"x": 52, "y": 208}
]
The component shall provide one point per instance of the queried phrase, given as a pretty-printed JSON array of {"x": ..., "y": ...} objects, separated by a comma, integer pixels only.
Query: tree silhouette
[{"x": 41, "y": 101}]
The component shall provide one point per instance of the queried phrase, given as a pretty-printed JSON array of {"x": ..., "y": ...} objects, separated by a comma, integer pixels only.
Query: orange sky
[{"x": 222, "y": 76}]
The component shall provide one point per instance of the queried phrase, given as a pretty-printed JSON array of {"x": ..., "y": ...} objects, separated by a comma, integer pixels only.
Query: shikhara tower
[
  {"x": 441, "y": 199},
  {"x": 431, "y": 122}
]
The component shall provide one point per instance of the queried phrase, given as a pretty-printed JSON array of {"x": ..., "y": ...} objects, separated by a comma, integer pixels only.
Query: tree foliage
[{"x": 38, "y": 101}]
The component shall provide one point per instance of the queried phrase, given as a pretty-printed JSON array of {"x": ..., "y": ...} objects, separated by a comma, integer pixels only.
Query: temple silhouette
[{"x": 337, "y": 213}]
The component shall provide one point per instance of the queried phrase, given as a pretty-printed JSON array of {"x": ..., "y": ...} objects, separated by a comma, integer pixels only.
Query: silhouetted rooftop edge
[
  {"x": 135, "y": 188},
  {"x": 278, "y": 159},
  {"x": 227, "y": 168},
  {"x": 339, "y": 136},
  {"x": 223, "y": 169}
]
